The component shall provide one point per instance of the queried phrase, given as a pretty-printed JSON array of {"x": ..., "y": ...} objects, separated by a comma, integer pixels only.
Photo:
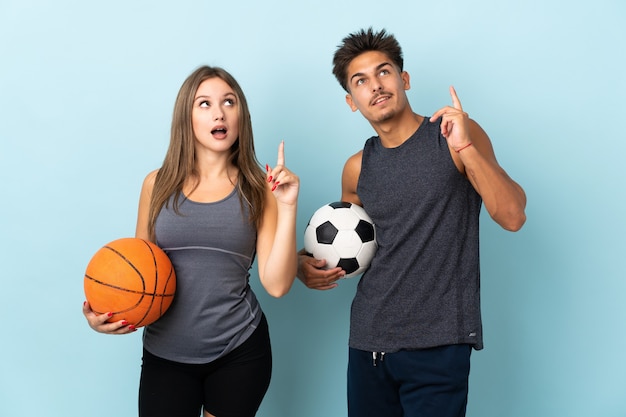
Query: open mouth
[
  {"x": 380, "y": 99},
  {"x": 219, "y": 131}
]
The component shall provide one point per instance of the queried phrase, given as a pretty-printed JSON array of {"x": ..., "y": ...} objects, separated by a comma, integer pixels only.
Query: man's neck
[{"x": 396, "y": 131}]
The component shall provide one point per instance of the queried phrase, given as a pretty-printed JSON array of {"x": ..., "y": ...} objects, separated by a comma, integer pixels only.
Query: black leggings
[{"x": 231, "y": 386}]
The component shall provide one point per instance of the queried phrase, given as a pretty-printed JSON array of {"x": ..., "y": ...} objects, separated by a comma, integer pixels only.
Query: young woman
[{"x": 213, "y": 209}]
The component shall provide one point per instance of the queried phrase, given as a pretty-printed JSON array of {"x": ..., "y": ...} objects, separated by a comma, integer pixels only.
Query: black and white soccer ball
[{"x": 344, "y": 235}]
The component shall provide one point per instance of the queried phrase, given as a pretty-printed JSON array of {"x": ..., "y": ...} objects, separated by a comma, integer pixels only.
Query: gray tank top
[
  {"x": 212, "y": 247},
  {"x": 422, "y": 287}
]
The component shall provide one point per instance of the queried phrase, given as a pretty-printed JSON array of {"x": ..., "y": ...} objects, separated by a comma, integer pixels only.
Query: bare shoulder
[
  {"x": 143, "y": 215},
  {"x": 350, "y": 178},
  {"x": 152, "y": 175},
  {"x": 150, "y": 179},
  {"x": 354, "y": 162},
  {"x": 148, "y": 185}
]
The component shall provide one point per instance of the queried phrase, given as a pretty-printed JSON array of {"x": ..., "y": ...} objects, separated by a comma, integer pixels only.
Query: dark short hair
[{"x": 362, "y": 41}]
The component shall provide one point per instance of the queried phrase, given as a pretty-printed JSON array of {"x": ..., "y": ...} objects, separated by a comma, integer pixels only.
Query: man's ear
[
  {"x": 406, "y": 78},
  {"x": 351, "y": 103}
]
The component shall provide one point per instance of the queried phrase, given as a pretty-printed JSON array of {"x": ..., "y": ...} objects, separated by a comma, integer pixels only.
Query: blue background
[{"x": 86, "y": 95}]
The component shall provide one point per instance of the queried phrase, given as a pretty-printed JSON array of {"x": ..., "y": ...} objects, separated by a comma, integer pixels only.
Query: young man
[{"x": 416, "y": 315}]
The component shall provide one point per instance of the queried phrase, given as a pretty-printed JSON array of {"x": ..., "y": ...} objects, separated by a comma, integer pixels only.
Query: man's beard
[{"x": 386, "y": 116}]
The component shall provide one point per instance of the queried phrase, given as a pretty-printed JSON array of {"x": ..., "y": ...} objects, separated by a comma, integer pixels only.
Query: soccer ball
[{"x": 344, "y": 235}]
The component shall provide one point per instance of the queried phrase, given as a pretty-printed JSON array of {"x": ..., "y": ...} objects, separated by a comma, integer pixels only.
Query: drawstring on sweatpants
[{"x": 376, "y": 356}]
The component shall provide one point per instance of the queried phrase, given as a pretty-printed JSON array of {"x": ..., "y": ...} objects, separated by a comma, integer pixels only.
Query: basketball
[
  {"x": 131, "y": 278},
  {"x": 344, "y": 235}
]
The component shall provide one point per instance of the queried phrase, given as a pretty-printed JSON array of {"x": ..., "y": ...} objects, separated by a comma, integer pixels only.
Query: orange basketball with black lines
[{"x": 131, "y": 278}]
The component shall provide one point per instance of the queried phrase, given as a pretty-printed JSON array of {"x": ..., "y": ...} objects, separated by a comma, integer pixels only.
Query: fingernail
[
  {"x": 110, "y": 314},
  {"x": 124, "y": 323},
  {"x": 132, "y": 327},
  {"x": 270, "y": 179},
  {"x": 267, "y": 168},
  {"x": 275, "y": 185}
]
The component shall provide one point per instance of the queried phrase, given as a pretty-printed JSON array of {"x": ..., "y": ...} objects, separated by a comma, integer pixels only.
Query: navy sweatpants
[{"x": 425, "y": 383}]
